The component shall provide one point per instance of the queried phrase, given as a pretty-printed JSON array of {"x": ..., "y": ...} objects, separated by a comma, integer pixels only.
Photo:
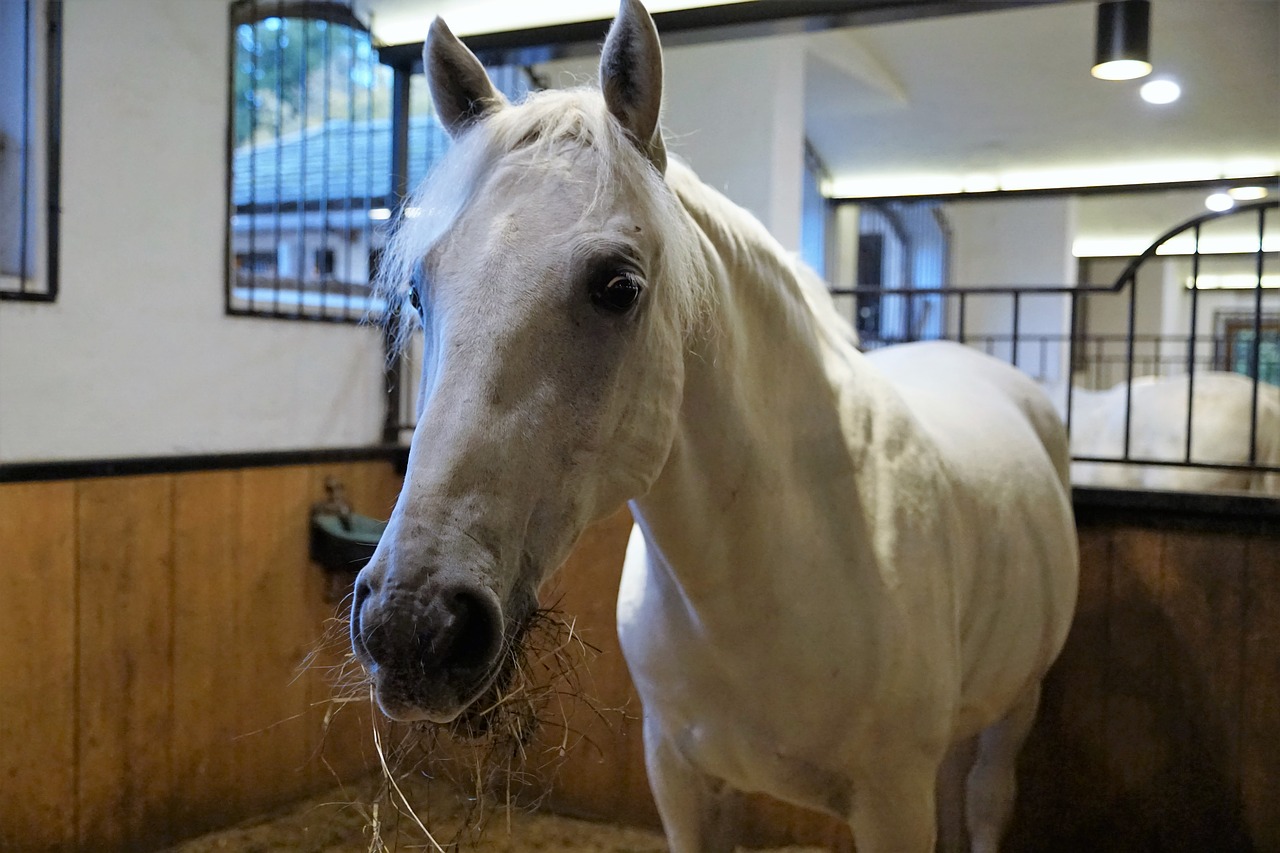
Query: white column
[{"x": 735, "y": 112}]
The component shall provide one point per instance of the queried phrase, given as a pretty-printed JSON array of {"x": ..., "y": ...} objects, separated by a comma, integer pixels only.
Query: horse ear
[
  {"x": 631, "y": 78},
  {"x": 460, "y": 88}
]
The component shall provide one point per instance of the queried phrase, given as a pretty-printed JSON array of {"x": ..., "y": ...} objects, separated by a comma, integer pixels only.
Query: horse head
[{"x": 552, "y": 278}]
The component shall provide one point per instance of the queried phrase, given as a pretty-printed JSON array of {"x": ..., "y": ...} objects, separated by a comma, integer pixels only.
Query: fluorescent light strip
[
  {"x": 473, "y": 17},
  {"x": 1183, "y": 244},
  {"x": 1240, "y": 281},
  {"x": 1080, "y": 177}
]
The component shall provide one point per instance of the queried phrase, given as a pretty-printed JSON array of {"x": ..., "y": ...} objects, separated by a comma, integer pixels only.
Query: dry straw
[{"x": 500, "y": 754}]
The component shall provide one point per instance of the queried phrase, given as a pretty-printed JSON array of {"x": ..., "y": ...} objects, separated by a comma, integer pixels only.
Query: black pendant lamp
[{"x": 1124, "y": 34}]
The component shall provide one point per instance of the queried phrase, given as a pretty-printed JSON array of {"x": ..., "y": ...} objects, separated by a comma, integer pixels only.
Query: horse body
[
  {"x": 1220, "y": 433},
  {"x": 849, "y": 564}
]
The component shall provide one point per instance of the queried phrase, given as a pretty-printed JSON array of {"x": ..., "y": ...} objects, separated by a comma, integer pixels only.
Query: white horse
[
  {"x": 1220, "y": 434},
  {"x": 850, "y": 564}
]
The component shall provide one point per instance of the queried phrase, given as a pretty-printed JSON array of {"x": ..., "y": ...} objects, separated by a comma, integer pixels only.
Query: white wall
[
  {"x": 137, "y": 357},
  {"x": 1024, "y": 242},
  {"x": 734, "y": 111}
]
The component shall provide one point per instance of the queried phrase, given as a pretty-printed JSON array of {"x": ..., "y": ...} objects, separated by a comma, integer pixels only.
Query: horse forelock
[{"x": 570, "y": 125}]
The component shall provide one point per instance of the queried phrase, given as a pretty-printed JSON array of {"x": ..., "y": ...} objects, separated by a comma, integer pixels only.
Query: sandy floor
[{"x": 327, "y": 824}]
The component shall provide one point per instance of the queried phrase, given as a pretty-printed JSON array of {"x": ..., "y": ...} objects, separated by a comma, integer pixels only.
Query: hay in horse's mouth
[
  {"x": 505, "y": 747},
  {"x": 506, "y": 707}
]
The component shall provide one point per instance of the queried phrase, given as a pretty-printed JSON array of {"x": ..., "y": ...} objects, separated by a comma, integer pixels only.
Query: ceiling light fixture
[
  {"x": 1124, "y": 28},
  {"x": 1247, "y": 193},
  {"x": 1161, "y": 91},
  {"x": 1219, "y": 202}
]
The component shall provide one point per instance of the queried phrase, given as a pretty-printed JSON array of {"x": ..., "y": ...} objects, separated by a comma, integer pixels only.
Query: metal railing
[{"x": 996, "y": 320}]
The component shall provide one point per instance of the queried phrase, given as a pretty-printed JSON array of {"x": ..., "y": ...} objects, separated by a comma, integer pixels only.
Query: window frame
[
  {"x": 251, "y": 12},
  {"x": 45, "y": 195}
]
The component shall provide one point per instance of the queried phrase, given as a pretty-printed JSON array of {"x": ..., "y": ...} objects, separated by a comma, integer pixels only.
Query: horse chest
[{"x": 769, "y": 704}]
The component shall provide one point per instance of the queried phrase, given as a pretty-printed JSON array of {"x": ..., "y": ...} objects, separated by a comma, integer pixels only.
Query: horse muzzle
[{"x": 430, "y": 651}]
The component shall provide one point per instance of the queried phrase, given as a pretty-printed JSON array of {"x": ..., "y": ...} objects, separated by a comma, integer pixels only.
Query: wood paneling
[
  {"x": 1158, "y": 726},
  {"x": 1260, "y": 706},
  {"x": 125, "y": 590},
  {"x": 345, "y": 748},
  {"x": 152, "y": 630},
  {"x": 37, "y": 666},
  {"x": 275, "y": 639},
  {"x": 599, "y": 774},
  {"x": 1155, "y": 732},
  {"x": 153, "y": 627},
  {"x": 207, "y": 690}
]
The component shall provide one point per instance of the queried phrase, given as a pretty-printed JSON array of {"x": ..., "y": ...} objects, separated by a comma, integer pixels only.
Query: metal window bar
[
  {"x": 303, "y": 244},
  {"x": 35, "y": 22},
  {"x": 1191, "y": 345},
  {"x": 1132, "y": 283},
  {"x": 1256, "y": 360},
  {"x": 1073, "y": 330},
  {"x": 278, "y": 218}
]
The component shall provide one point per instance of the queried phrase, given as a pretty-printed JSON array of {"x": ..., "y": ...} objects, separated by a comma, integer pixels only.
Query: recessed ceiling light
[
  {"x": 1219, "y": 202},
  {"x": 1160, "y": 91},
  {"x": 1247, "y": 193}
]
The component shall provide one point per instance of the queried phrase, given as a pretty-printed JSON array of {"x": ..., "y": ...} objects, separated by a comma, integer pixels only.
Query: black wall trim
[
  {"x": 1237, "y": 513},
  {"x": 80, "y": 469},
  {"x": 1223, "y": 513}
]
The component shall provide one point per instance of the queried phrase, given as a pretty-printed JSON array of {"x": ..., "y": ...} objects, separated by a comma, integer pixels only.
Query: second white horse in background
[{"x": 1220, "y": 434}]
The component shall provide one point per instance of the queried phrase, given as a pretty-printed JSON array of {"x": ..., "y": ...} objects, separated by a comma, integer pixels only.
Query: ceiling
[
  {"x": 1004, "y": 99},
  {"x": 996, "y": 99}
]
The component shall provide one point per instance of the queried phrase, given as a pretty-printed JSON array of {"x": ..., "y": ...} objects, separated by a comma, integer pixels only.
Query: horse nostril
[
  {"x": 362, "y": 590},
  {"x": 463, "y": 635},
  {"x": 371, "y": 645}
]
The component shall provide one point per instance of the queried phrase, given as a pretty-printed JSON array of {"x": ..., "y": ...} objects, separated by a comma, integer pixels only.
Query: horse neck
[{"x": 761, "y": 440}]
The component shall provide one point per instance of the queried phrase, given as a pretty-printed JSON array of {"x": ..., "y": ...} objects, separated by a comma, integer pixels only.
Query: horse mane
[
  {"x": 748, "y": 249},
  {"x": 548, "y": 124}
]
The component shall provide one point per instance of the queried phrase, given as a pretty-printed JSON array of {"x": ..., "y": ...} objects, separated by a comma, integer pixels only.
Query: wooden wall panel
[
  {"x": 1143, "y": 741},
  {"x": 342, "y": 744},
  {"x": 1260, "y": 708},
  {"x": 1158, "y": 727},
  {"x": 208, "y": 692},
  {"x": 152, "y": 629},
  {"x": 172, "y": 614},
  {"x": 277, "y": 629},
  {"x": 125, "y": 591},
  {"x": 37, "y": 666},
  {"x": 599, "y": 774}
]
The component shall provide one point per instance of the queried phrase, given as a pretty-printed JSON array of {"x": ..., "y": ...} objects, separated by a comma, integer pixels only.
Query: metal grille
[
  {"x": 310, "y": 161},
  {"x": 29, "y": 180},
  {"x": 1245, "y": 339}
]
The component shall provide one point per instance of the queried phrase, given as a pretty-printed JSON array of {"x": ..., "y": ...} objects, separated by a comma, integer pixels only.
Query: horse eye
[
  {"x": 415, "y": 300},
  {"x": 617, "y": 294}
]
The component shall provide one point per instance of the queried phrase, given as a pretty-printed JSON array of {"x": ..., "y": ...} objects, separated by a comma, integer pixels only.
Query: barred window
[
  {"x": 310, "y": 160},
  {"x": 30, "y": 87}
]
